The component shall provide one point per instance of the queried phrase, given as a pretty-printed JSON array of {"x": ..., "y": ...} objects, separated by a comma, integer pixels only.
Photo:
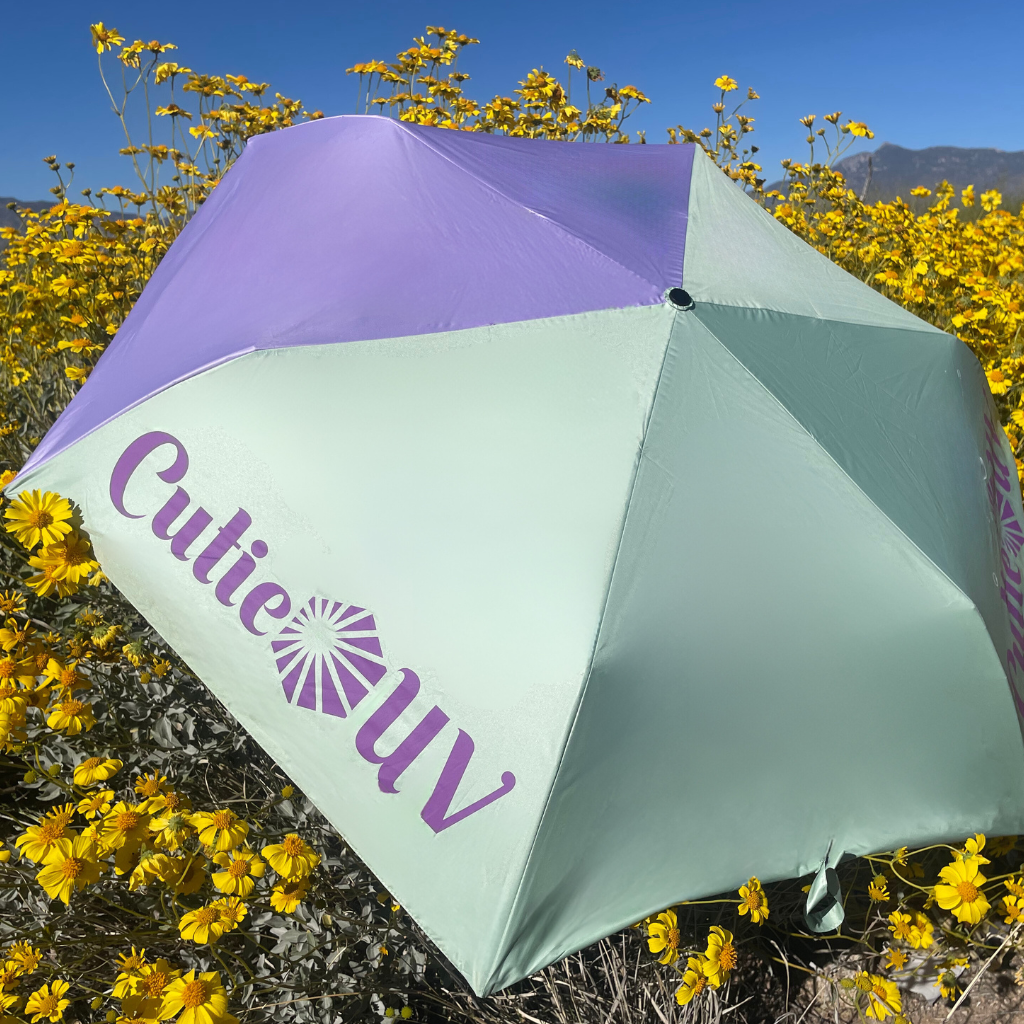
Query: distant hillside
[
  {"x": 892, "y": 171},
  {"x": 9, "y": 219}
]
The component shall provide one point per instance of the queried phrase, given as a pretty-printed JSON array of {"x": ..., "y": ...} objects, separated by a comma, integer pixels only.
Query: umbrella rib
[{"x": 593, "y": 651}]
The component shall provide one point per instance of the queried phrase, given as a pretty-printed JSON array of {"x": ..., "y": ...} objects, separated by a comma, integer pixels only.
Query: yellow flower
[
  {"x": 221, "y": 830},
  {"x": 25, "y": 955},
  {"x": 185, "y": 874},
  {"x": 232, "y": 912},
  {"x": 13, "y": 635},
  {"x": 170, "y": 829},
  {"x": 922, "y": 932},
  {"x": 104, "y": 38},
  {"x": 900, "y": 926},
  {"x": 72, "y": 716},
  {"x": 960, "y": 891},
  {"x": 11, "y": 603},
  {"x": 37, "y": 840},
  {"x": 70, "y": 864},
  {"x": 694, "y": 980},
  {"x": 145, "y": 863},
  {"x": 725, "y": 83},
  {"x": 972, "y": 851},
  {"x": 200, "y": 1000},
  {"x": 753, "y": 901},
  {"x": 38, "y": 518},
  {"x": 148, "y": 786},
  {"x": 124, "y": 825},
  {"x": 203, "y": 925},
  {"x": 68, "y": 559},
  {"x": 1015, "y": 885},
  {"x": 46, "y": 581},
  {"x": 168, "y": 802},
  {"x": 991, "y": 200},
  {"x": 21, "y": 671},
  {"x": 291, "y": 858},
  {"x": 48, "y": 1001},
  {"x": 153, "y": 979},
  {"x": 860, "y": 129},
  {"x": 240, "y": 870},
  {"x": 1012, "y": 907},
  {"x": 287, "y": 792},
  {"x": 663, "y": 934},
  {"x": 948, "y": 984},
  {"x": 96, "y": 769},
  {"x": 137, "y": 1009},
  {"x": 877, "y": 891},
  {"x": 896, "y": 959},
  {"x": 721, "y": 956},
  {"x": 287, "y": 895},
  {"x": 130, "y": 971},
  {"x": 65, "y": 677},
  {"x": 883, "y": 996},
  {"x": 96, "y": 803}
]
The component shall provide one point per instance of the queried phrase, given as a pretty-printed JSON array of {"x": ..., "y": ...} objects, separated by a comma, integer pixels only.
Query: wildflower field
[{"x": 155, "y": 865}]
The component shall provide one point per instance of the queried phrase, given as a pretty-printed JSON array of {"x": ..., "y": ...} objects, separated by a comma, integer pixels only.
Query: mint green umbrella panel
[{"x": 577, "y": 538}]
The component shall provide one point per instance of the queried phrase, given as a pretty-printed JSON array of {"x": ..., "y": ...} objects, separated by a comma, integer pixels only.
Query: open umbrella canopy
[{"x": 565, "y": 594}]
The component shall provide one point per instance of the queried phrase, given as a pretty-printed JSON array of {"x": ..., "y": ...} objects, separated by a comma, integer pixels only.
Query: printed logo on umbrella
[{"x": 328, "y": 655}]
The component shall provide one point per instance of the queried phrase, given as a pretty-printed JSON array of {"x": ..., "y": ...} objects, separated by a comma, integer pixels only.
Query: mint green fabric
[
  {"x": 737, "y": 254},
  {"x": 902, "y": 413},
  {"x": 777, "y": 669}
]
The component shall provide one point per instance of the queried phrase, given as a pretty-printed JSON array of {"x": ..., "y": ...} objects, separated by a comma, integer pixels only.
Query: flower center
[
  {"x": 127, "y": 820},
  {"x": 968, "y": 891},
  {"x": 292, "y": 846},
  {"x": 172, "y": 801},
  {"x": 6, "y": 668},
  {"x": 206, "y": 915},
  {"x": 238, "y": 868},
  {"x": 47, "y": 1005},
  {"x": 699, "y": 984},
  {"x": 672, "y": 938},
  {"x": 727, "y": 958},
  {"x": 222, "y": 819},
  {"x": 40, "y": 519},
  {"x": 68, "y": 677},
  {"x": 150, "y": 787},
  {"x": 72, "y": 867},
  {"x": 193, "y": 994},
  {"x": 72, "y": 708},
  {"x": 50, "y": 831},
  {"x": 154, "y": 983},
  {"x": 753, "y": 899},
  {"x": 93, "y": 762}
]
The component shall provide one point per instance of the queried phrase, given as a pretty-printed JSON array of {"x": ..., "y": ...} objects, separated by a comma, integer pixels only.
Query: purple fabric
[{"x": 352, "y": 228}]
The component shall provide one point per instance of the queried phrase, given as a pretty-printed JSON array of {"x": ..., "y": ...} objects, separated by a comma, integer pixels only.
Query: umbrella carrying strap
[{"x": 824, "y": 911}]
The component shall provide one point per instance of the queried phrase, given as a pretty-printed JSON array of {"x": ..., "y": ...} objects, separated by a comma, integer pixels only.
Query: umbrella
[{"x": 576, "y": 537}]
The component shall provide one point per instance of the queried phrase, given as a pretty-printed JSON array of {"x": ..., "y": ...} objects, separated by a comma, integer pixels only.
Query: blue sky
[{"x": 920, "y": 74}]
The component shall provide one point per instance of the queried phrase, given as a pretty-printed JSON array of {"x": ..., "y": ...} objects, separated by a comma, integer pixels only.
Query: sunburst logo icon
[{"x": 328, "y": 656}]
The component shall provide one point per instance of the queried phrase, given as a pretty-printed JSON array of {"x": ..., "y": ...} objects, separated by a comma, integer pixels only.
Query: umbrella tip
[{"x": 679, "y": 298}]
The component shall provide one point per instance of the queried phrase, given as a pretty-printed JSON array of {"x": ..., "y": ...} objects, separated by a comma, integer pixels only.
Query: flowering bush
[{"x": 157, "y": 865}]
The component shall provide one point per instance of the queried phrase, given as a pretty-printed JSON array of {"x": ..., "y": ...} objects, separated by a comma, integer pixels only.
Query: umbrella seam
[
  {"x": 529, "y": 209},
  {"x": 593, "y": 652},
  {"x": 885, "y": 515}
]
